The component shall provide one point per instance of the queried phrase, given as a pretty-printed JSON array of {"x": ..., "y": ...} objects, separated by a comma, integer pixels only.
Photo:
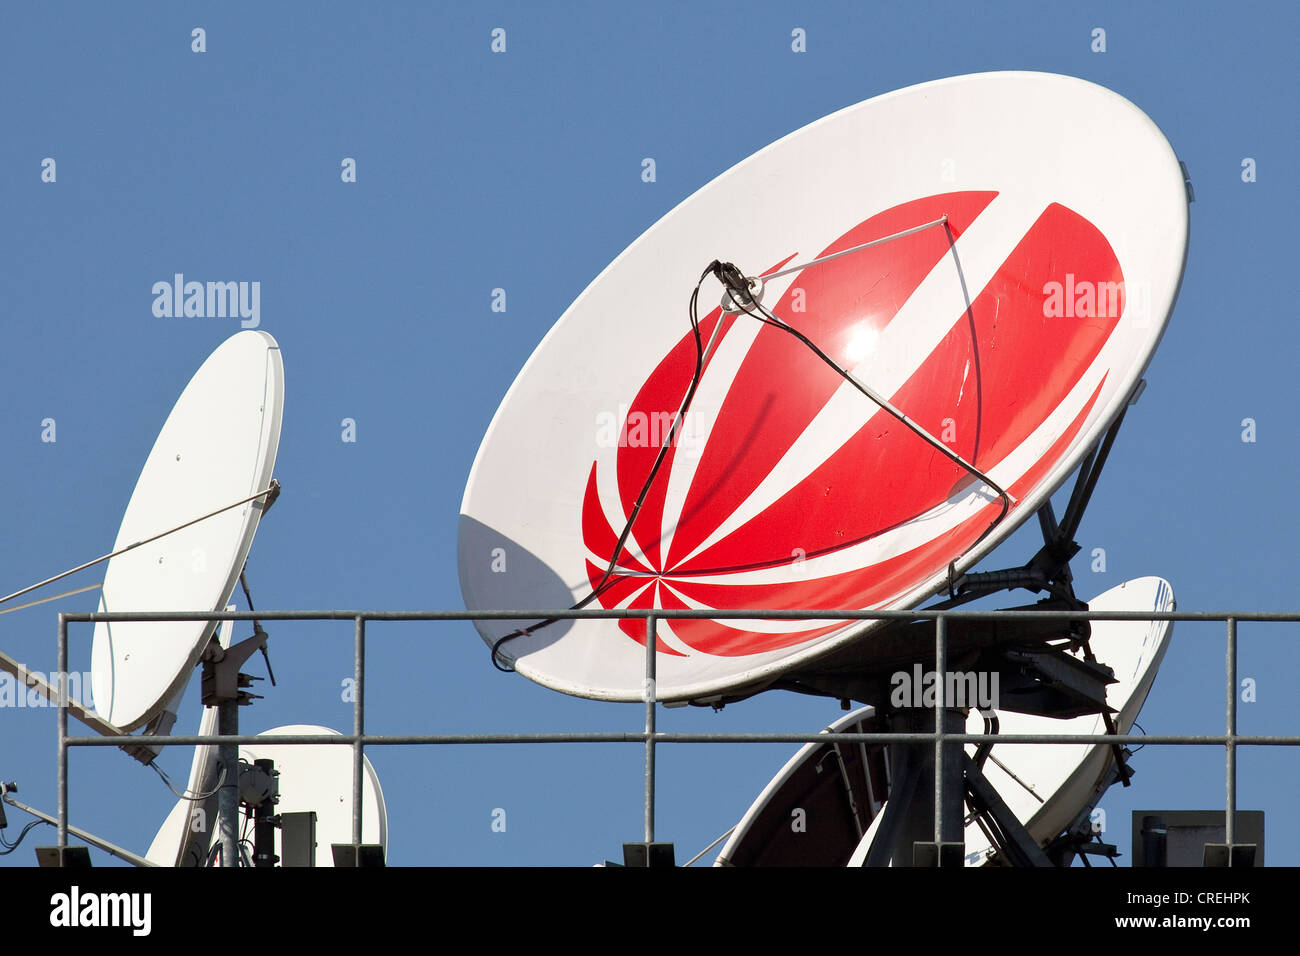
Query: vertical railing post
[
  {"x": 651, "y": 626},
  {"x": 63, "y": 734},
  {"x": 941, "y": 668},
  {"x": 1230, "y": 761},
  {"x": 358, "y": 728}
]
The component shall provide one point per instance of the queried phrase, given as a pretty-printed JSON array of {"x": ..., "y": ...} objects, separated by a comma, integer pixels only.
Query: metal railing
[{"x": 1230, "y": 740}]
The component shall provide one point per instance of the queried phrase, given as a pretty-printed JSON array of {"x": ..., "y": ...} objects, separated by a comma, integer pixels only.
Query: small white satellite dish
[
  {"x": 312, "y": 777},
  {"x": 986, "y": 264},
  {"x": 320, "y": 778},
  {"x": 1046, "y": 785},
  {"x": 217, "y": 447}
]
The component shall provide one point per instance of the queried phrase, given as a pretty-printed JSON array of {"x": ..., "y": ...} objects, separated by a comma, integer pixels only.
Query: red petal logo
[{"x": 740, "y": 538}]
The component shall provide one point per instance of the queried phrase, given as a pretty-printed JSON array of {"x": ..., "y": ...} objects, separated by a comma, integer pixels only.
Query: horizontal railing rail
[{"x": 650, "y": 736}]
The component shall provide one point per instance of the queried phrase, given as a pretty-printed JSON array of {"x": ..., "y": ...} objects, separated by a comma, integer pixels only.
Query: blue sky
[{"x": 521, "y": 171}]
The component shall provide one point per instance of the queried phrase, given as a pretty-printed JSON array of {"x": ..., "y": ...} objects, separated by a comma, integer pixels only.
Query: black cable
[
  {"x": 257, "y": 627},
  {"x": 1144, "y": 733},
  {"x": 167, "y": 781},
  {"x": 737, "y": 287},
  {"x": 605, "y": 581},
  {"x": 10, "y": 847}
]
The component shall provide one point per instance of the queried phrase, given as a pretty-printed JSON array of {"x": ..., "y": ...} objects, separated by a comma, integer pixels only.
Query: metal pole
[
  {"x": 941, "y": 668},
  {"x": 63, "y": 735},
  {"x": 109, "y": 848},
  {"x": 358, "y": 728},
  {"x": 650, "y": 641},
  {"x": 1231, "y": 744},
  {"x": 228, "y": 795}
]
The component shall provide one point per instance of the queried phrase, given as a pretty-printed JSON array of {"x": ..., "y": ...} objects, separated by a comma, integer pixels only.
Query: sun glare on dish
[{"x": 861, "y": 343}]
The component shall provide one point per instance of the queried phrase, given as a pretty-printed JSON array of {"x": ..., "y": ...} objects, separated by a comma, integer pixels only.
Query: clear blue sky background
[{"x": 522, "y": 171}]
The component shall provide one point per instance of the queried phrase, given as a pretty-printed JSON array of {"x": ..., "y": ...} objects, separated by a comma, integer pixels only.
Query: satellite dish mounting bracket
[
  {"x": 1081, "y": 837},
  {"x": 1029, "y": 656},
  {"x": 1049, "y": 569},
  {"x": 743, "y": 292},
  {"x": 1007, "y": 836},
  {"x": 222, "y": 681},
  {"x": 224, "y": 688},
  {"x": 30, "y": 680},
  {"x": 909, "y": 813}
]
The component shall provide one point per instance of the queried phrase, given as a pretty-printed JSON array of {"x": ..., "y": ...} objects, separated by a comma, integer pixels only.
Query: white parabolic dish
[
  {"x": 1015, "y": 331},
  {"x": 217, "y": 446},
  {"x": 317, "y": 777},
  {"x": 312, "y": 777},
  {"x": 1046, "y": 785}
]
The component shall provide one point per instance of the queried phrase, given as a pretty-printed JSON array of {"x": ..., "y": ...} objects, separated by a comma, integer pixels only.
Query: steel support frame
[{"x": 1049, "y": 568}]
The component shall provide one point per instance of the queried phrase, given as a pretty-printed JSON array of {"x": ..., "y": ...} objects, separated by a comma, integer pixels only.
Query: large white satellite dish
[
  {"x": 1020, "y": 240},
  {"x": 217, "y": 447}
]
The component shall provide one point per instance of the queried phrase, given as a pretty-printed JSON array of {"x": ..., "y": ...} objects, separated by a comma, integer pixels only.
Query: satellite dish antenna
[
  {"x": 954, "y": 310},
  {"x": 818, "y": 808},
  {"x": 216, "y": 448},
  {"x": 181, "y": 842},
  {"x": 312, "y": 777},
  {"x": 1050, "y": 788}
]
